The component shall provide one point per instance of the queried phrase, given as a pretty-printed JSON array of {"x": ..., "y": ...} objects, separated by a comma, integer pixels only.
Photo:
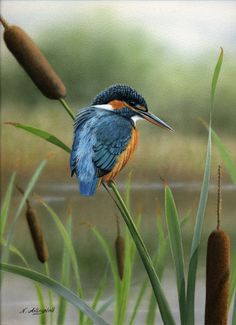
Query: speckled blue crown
[{"x": 119, "y": 92}]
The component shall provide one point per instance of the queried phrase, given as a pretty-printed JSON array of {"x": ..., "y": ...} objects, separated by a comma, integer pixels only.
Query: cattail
[
  {"x": 33, "y": 61},
  {"x": 217, "y": 271},
  {"x": 36, "y": 232},
  {"x": 120, "y": 251}
]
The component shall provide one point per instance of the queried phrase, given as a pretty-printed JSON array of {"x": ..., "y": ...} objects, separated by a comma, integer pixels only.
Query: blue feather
[{"x": 88, "y": 188}]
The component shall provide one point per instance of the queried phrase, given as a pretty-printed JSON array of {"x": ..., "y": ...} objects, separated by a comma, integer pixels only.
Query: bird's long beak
[{"x": 154, "y": 119}]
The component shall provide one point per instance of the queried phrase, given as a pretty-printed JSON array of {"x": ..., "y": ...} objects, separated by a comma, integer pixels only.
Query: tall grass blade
[
  {"x": 232, "y": 287},
  {"x": 50, "y": 294},
  {"x": 28, "y": 190},
  {"x": 151, "y": 315},
  {"x": 138, "y": 301},
  {"x": 42, "y": 134},
  {"x": 65, "y": 277},
  {"x": 57, "y": 288},
  {"x": 165, "y": 311},
  {"x": 216, "y": 76},
  {"x": 201, "y": 207},
  {"x": 176, "y": 246},
  {"x": 234, "y": 311},
  {"x": 229, "y": 164},
  {"x": 197, "y": 236},
  {"x": 68, "y": 243},
  {"x": 6, "y": 205},
  {"x": 112, "y": 263}
]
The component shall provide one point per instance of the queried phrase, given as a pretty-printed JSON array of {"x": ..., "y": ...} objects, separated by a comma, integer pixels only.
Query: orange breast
[{"x": 123, "y": 158}]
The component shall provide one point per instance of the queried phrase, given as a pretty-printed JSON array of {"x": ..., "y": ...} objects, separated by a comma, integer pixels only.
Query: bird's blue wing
[
  {"x": 112, "y": 137},
  {"x": 81, "y": 118}
]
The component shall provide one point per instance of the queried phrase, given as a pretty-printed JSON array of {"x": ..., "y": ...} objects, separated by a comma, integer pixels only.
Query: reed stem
[
  {"x": 67, "y": 108},
  {"x": 219, "y": 198}
]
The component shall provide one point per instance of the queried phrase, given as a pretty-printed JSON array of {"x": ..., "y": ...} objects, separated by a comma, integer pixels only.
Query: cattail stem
[
  {"x": 4, "y": 22},
  {"x": 67, "y": 108},
  {"x": 219, "y": 198}
]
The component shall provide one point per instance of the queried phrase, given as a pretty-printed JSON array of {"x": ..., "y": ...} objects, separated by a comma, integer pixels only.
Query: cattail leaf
[
  {"x": 67, "y": 240},
  {"x": 229, "y": 164},
  {"x": 176, "y": 246},
  {"x": 57, "y": 288},
  {"x": 164, "y": 307},
  {"x": 6, "y": 205},
  {"x": 28, "y": 190},
  {"x": 65, "y": 276},
  {"x": 216, "y": 76},
  {"x": 41, "y": 134}
]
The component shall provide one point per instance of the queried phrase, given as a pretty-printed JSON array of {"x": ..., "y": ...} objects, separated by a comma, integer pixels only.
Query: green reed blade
[
  {"x": 229, "y": 164},
  {"x": 176, "y": 246},
  {"x": 57, "y": 288},
  {"x": 68, "y": 243},
  {"x": 201, "y": 207},
  {"x": 41, "y": 134},
  {"x": 197, "y": 236},
  {"x": 234, "y": 311},
  {"x": 164, "y": 308},
  {"x": 112, "y": 262},
  {"x": 232, "y": 287},
  {"x": 65, "y": 277},
  {"x": 6, "y": 205},
  {"x": 216, "y": 76}
]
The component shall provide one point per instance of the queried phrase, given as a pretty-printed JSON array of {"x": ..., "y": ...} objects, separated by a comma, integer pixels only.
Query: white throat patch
[{"x": 136, "y": 118}]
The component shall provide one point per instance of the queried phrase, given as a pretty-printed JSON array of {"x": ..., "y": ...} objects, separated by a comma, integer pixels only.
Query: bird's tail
[{"x": 88, "y": 188}]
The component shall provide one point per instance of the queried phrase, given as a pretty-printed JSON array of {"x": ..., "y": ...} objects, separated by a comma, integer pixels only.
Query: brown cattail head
[
  {"x": 120, "y": 255},
  {"x": 33, "y": 62},
  {"x": 217, "y": 278},
  {"x": 37, "y": 234}
]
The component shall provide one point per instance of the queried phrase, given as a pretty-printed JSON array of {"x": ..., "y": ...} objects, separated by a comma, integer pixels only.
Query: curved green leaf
[
  {"x": 57, "y": 288},
  {"x": 216, "y": 76},
  {"x": 176, "y": 245},
  {"x": 6, "y": 205},
  {"x": 229, "y": 164},
  {"x": 41, "y": 134}
]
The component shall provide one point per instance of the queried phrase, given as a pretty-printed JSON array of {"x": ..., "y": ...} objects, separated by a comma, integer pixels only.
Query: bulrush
[
  {"x": 120, "y": 252},
  {"x": 36, "y": 231},
  {"x": 217, "y": 271},
  {"x": 33, "y": 61}
]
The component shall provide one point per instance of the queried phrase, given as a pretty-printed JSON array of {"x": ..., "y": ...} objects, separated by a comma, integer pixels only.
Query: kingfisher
[{"x": 105, "y": 135}]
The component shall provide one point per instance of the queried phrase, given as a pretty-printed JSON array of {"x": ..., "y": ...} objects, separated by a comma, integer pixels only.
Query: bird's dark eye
[{"x": 132, "y": 103}]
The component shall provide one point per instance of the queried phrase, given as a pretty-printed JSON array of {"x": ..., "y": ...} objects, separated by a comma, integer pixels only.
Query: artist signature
[{"x": 36, "y": 310}]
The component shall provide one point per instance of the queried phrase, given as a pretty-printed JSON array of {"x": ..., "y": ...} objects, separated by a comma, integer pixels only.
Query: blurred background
[{"x": 167, "y": 50}]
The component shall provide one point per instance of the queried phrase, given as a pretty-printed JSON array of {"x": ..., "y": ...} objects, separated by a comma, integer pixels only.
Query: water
[{"x": 100, "y": 212}]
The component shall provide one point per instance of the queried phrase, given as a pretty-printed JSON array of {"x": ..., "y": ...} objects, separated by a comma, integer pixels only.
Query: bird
[{"x": 105, "y": 135}]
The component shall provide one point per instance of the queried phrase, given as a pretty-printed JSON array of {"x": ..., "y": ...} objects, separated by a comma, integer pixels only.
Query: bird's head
[{"x": 128, "y": 101}]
